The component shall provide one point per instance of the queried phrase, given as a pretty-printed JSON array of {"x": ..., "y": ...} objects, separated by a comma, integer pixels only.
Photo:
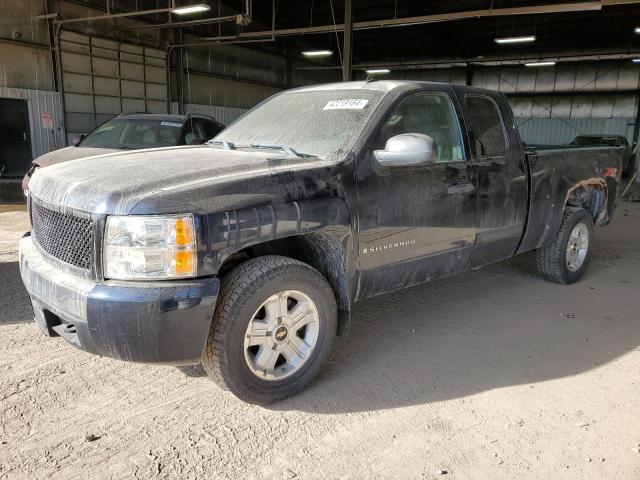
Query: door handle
[{"x": 461, "y": 187}]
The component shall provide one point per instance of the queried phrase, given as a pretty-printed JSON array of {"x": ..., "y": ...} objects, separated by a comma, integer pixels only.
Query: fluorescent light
[
  {"x": 637, "y": 30},
  {"x": 539, "y": 64},
  {"x": 529, "y": 38},
  {"x": 635, "y": 60},
  {"x": 199, "y": 7},
  {"x": 46, "y": 16},
  {"x": 377, "y": 70},
  {"x": 317, "y": 53}
]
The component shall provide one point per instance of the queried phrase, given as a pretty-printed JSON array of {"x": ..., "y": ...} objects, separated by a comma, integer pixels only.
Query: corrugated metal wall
[
  {"x": 208, "y": 90},
  {"x": 552, "y": 105},
  {"x": 570, "y": 77},
  {"x": 225, "y": 115},
  {"x": 240, "y": 63},
  {"x": 43, "y": 139},
  {"x": 559, "y": 131}
]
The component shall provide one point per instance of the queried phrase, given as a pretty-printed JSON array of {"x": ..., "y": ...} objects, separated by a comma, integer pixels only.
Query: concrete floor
[{"x": 488, "y": 374}]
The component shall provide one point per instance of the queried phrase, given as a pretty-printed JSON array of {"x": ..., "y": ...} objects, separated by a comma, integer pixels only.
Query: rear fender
[{"x": 592, "y": 195}]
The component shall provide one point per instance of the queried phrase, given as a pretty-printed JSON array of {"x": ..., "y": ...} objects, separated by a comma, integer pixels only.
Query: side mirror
[
  {"x": 77, "y": 140},
  {"x": 407, "y": 149}
]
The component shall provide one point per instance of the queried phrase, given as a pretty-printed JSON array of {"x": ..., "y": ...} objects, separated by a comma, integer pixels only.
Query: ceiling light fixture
[
  {"x": 187, "y": 9},
  {"x": 317, "y": 53},
  {"x": 539, "y": 64},
  {"x": 46, "y": 16},
  {"x": 637, "y": 30},
  {"x": 635, "y": 60},
  {"x": 506, "y": 40},
  {"x": 379, "y": 71}
]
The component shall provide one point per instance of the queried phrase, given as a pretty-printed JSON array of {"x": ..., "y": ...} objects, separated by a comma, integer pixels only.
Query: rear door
[
  {"x": 416, "y": 223},
  {"x": 498, "y": 156}
]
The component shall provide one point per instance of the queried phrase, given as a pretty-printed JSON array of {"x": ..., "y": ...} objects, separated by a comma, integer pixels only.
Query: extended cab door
[
  {"x": 498, "y": 156},
  {"x": 417, "y": 222}
]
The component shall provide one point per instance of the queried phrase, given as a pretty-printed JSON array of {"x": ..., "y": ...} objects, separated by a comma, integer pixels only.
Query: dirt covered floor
[{"x": 488, "y": 374}]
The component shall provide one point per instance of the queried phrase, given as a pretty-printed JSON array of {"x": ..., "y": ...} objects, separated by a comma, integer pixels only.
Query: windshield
[
  {"x": 134, "y": 134},
  {"x": 319, "y": 123}
]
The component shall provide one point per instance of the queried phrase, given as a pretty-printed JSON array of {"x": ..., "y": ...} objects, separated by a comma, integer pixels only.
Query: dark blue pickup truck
[{"x": 248, "y": 253}]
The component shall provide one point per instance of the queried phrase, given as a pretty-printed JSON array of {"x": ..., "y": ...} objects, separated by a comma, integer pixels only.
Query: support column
[
  {"x": 348, "y": 40},
  {"x": 180, "y": 80},
  {"x": 636, "y": 125},
  {"x": 179, "y": 64},
  {"x": 288, "y": 69}
]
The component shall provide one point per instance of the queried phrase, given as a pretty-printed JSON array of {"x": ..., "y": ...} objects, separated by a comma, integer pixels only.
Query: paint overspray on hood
[{"x": 170, "y": 180}]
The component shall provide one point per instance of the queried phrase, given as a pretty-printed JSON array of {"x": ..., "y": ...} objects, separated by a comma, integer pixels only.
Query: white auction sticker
[{"x": 346, "y": 104}]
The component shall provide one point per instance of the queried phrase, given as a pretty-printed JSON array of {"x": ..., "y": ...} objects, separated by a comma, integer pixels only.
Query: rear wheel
[
  {"x": 566, "y": 258},
  {"x": 272, "y": 329}
]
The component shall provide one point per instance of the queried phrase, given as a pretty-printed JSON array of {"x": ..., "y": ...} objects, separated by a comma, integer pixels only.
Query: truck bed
[{"x": 560, "y": 175}]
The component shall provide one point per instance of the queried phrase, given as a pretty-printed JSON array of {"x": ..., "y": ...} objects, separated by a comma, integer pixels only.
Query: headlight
[{"x": 150, "y": 247}]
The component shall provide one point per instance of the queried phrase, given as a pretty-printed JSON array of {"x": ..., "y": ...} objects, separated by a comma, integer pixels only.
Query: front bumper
[{"x": 162, "y": 321}]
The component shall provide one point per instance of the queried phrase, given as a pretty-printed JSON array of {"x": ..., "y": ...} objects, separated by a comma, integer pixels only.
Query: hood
[
  {"x": 70, "y": 153},
  {"x": 169, "y": 180}
]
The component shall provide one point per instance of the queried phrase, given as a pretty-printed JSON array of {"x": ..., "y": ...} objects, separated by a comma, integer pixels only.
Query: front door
[
  {"x": 15, "y": 142},
  {"x": 416, "y": 223}
]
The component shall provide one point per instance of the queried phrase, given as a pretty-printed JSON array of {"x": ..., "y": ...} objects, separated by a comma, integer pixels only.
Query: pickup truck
[{"x": 248, "y": 253}]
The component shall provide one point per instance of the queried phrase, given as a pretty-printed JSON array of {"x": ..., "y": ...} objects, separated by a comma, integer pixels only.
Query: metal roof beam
[{"x": 443, "y": 17}]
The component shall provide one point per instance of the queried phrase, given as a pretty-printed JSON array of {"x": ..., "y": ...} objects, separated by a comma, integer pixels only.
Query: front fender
[{"x": 225, "y": 233}]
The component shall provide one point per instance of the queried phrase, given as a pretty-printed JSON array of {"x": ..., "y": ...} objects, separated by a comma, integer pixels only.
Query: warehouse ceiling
[{"x": 601, "y": 27}]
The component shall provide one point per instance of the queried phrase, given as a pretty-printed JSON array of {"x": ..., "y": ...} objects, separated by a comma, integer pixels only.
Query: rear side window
[{"x": 486, "y": 125}]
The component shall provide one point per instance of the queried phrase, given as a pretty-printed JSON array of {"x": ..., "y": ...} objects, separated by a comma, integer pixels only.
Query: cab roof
[{"x": 384, "y": 86}]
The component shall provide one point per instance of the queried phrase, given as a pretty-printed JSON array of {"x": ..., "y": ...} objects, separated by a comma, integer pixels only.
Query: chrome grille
[{"x": 64, "y": 236}]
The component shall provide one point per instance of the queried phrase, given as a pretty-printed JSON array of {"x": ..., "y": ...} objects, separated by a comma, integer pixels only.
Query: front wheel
[
  {"x": 272, "y": 329},
  {"x": 565, "y": 259}
]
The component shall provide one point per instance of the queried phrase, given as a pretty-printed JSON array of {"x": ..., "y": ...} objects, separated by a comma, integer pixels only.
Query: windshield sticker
[
  {"x": 171, "y": 124},
  {"x": 346, "y": 104}
]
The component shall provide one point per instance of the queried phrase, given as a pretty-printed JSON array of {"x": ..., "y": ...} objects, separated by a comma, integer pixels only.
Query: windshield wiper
[
  {"x": 226, "y": 145},
  {"x": 290, "y": 152}
]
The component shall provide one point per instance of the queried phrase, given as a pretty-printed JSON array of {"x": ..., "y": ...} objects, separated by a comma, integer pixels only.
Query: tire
[
  {"x": 249, "y": 295},
  {"x": 553, "y": 262}
]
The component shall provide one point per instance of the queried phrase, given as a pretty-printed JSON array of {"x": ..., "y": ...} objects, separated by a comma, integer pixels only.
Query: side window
[
  {"x": 212, "y": 129},
  {"x": 486, "y": 125},
  {"x": 195, "y": 133},
  {"x": 429, "y": 114}
]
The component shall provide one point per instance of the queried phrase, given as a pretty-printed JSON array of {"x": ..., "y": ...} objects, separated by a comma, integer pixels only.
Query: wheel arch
[
  {"x": 316, "y": 232},
  {"x": 592, "y": 196}
]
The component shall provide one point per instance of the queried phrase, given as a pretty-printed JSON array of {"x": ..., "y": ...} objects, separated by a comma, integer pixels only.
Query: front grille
[{"x": 66, "y": 237}]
